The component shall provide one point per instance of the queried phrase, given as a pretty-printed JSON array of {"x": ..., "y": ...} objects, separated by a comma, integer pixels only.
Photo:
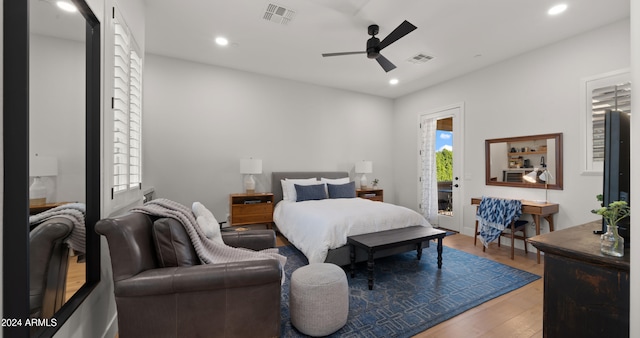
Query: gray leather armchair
[
  {"x": 48, "y": 265},
  {"x": 155, "y": 299}
]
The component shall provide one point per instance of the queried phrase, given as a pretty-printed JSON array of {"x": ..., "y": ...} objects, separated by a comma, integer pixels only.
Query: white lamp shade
[
  {"x": 546, "y": 176},
  {"x": 250, "y": 166},
  {"x": 43, "y": 166},
  {"x": 364, "y": 167},
  {"x": 531, "y": 177}
]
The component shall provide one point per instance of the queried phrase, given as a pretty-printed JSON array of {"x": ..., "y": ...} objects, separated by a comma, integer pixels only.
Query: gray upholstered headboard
[{"x": 276, "y": 176}]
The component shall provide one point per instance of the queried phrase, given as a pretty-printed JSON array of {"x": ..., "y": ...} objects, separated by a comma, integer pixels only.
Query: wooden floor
[
  {"x": 76, "y": 275},
  {"x": 517, "y": 314}
]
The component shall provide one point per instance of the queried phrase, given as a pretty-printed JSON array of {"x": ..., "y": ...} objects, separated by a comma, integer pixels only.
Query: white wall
[
  {"x": 534, "y": 93},
  {"x": 200, "y": 120}
]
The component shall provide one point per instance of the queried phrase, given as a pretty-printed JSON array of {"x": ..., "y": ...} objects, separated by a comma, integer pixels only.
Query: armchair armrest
[
  {"x": 199, "y": 278},
  {"x": 231, "y": 300},
  {"x": 250, "y": 239}
]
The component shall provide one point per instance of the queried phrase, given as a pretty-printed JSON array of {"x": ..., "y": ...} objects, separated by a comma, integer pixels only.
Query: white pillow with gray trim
[{"x": 207, "y": 222}]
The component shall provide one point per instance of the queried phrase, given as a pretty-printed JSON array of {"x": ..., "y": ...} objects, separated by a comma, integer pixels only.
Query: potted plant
[
  {"x": 611, "y": 243},
  {"x": 375, "y": 182}
]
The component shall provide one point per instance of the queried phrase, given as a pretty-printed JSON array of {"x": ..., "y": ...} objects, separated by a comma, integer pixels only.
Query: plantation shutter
[
  {"x": 135, "y": 119},
  {"x": 127, "y": 108},
  {"x": 614, "y": 97}
]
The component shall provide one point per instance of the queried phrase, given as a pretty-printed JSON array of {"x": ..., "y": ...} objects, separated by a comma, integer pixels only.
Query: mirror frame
[
  {"x": 16, "y": 167},
  {"x": 558, "y": 158}
]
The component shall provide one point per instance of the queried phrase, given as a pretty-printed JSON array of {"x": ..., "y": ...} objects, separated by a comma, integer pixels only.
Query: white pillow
[
  {"x": 207, "y": 222},
  {"x": 289, "y": 189},
  {"x": 336, "y": 181}
]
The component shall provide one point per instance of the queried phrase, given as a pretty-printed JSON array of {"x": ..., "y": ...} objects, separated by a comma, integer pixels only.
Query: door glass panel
[{"x": 444, "y": 165}]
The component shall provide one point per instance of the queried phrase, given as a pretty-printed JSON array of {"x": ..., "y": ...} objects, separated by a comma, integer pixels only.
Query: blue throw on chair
[{"x": 496, "y": 214}]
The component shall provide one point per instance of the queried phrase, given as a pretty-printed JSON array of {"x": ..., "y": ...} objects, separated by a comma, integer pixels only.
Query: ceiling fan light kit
[{"x": 374, "y": 45}]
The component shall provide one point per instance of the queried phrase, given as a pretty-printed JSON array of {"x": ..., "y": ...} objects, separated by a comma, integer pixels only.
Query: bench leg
[
  {"x": 370, "y": 270},
  {"x": 439, "y": 252},
  {"x": 352, "y": 255}
]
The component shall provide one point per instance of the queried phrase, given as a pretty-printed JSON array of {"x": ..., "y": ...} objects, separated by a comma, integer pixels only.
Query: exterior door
[{"x": 447, "y": 193}]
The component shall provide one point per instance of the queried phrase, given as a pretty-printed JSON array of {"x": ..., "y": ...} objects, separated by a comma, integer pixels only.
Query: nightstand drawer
[{"x": 251, "y": 208}]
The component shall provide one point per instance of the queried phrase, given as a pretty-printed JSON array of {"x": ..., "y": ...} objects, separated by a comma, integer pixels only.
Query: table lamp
[
  {"x": 250, "y": 167},
  {"x": 545, "y": 177},
  {"x": 364, "y": 167},
  {"x": 40, "y": 166}
]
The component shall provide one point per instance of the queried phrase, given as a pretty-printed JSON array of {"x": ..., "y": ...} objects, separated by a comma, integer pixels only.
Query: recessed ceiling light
[
  {"x": 65, "y": 6},
  {"x": 393, "y": 82},
  {"x": 557, "y": 9},
  {"x": 222, "y": 41}
]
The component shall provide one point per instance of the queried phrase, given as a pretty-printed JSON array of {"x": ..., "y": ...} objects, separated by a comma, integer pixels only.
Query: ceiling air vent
[
  {"x": 278, "y": 14},
  {"x": 420, "y": 58}
]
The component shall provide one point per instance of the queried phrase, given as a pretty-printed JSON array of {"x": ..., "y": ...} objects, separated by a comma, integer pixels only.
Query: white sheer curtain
[{"x": 429, "y": 202}]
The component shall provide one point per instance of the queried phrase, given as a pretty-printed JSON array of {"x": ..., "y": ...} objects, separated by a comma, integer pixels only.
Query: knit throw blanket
[
  {"x": 75, "y": 212},
  {"x": 208, "y": 250},
  {"x": 494, "y": 215}
]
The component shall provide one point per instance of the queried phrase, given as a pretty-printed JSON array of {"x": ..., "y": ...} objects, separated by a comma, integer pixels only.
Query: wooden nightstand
[
  {"x": 36, "y": 209},
  {"x": 372, "y": 194},
  {"x": 254, "y": 208}
]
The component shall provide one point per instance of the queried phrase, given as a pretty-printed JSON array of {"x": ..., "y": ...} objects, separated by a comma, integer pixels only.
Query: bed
[{"x": 319, "y": 228}]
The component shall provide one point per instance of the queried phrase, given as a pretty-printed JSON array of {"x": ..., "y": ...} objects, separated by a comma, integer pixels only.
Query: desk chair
[{"x": 507, "y": 211}]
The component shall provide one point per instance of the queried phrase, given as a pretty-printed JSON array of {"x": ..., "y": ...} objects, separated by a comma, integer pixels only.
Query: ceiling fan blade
[
  {"x": 405, "y": 28},
  {"x": 385, "y": 63},
  {"x": 343, "y": 53}
]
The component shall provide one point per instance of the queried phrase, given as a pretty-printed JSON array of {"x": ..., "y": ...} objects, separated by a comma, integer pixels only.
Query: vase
[{"x": 611, "y": 243}]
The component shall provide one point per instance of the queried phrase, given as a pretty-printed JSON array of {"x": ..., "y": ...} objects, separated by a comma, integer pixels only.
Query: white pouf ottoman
[{"x": 319, "y": 299}]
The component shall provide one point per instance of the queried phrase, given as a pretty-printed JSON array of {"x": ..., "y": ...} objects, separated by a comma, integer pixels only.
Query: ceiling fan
[{"x": 374, "y": 45}]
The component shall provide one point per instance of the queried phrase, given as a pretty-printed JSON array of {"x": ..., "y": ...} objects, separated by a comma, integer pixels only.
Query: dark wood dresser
[{"x": 586, "y": 294}]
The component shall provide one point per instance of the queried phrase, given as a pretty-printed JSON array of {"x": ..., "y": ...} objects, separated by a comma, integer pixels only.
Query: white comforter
[{"x": 314, "y": 227}]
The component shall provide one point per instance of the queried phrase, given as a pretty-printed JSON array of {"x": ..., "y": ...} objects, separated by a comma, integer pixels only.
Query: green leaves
[
  {"x": 444, "y": 165},
  {"x": 613, "y": 213}
]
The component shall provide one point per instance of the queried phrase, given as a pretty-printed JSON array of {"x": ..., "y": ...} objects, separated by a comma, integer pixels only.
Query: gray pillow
[
  {"x": 173, "y": 245},
  {"x": 347, "y": 190},
  {"x": 310, "y": 192}
]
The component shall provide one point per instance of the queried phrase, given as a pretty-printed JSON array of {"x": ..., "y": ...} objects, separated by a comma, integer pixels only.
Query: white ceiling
[{"x": 462, "y": 35}]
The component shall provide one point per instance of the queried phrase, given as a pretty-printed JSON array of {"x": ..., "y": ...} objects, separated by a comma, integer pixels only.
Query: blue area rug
[{"x": 410, "y": 296}]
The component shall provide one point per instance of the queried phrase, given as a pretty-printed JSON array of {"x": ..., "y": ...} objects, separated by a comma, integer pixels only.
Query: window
[
  {"x": 611, "y": 91},
  {"x": 127, "y": 109}
]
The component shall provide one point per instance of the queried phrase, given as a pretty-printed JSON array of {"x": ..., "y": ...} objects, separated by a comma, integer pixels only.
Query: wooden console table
[
  {"x": 535, "y": 209},
  {"x": 586, "y": 293}
]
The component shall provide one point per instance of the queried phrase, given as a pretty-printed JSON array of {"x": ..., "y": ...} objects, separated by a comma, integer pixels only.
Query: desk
[
  {"x": 586, "y": 294},
  {"x": 535, "y": 209}
]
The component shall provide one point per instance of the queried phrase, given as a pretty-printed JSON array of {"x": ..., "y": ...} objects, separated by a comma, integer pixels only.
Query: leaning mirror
[
  {"x": 526, "y": 162},
  {"x": 57, "y": 201},
  {"x": 51, "y": 128}
]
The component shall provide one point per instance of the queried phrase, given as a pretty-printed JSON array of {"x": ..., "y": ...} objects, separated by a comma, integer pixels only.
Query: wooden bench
[{"x": 381, "y": 240}]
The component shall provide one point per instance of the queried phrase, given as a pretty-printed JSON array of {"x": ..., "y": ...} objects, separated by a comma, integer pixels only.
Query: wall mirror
[
  {"x": 51, "y": 119},
  {"x": 525, "y": 162}
]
